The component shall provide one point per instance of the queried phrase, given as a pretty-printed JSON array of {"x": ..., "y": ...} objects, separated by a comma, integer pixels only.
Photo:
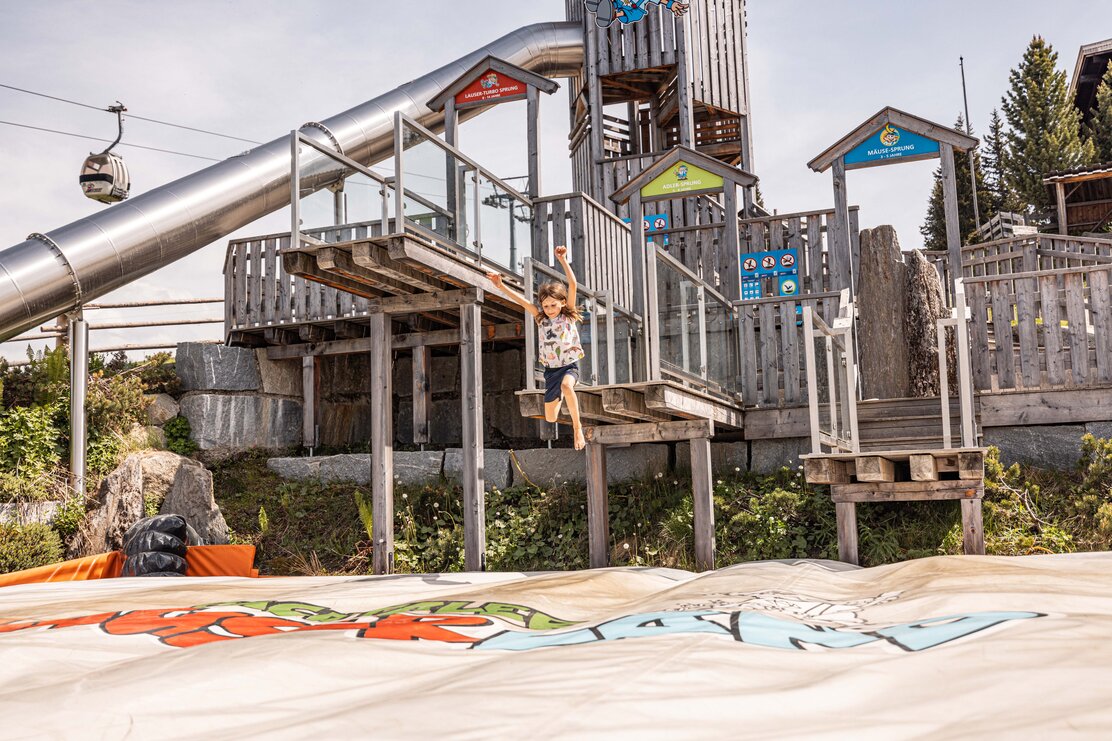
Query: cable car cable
[
  {"x": 99, "y": 139},
  {"x": 140, "y": 118}
]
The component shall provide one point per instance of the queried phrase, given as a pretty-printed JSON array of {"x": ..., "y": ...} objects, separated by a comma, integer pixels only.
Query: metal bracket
[{"x": 69, "y": 268}]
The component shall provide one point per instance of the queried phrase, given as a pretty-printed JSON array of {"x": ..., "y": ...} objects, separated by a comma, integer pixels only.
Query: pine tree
[
  {"x": 1044, "y": 126},
  {"x": 1100, "y": 125},
  {"x": 934, "y": 226},
  {"x": 992, "y": 161}
]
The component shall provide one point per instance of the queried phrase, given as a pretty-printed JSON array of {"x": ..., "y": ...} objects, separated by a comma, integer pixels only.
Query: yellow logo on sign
[{"x": 889, "y": 136}]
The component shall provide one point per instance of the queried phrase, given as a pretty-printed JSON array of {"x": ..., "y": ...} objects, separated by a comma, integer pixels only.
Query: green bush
[
  {"x": 28, "y": 546},
  {"x": 178, "y": 437},
  {"x": 29, "y": 440}
]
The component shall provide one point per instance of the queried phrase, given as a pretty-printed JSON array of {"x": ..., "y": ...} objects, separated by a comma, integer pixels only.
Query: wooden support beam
[
  {"x": 415, "y": 303},
  {"x": 908, "y": 491},
  {"x": 825, "y": 471},
  {"x": 973, "y": 535},
  {"x": 630, "y": 403},
  {"x": 471, "y": 386},
  {"x": 846, "y": 515},
  {"x": 598, "y": 508},
  {"x": 923, "y": 467},
  {"x": 303, "y": 264},
  {"x": 531, "y": 404},
  {"x": 376, "y": 258},
  {"x": 651, "y": 432},
  {"x": 280, "y": 336},
  {"x": 313, "y": 333},
  {"x": 702, "y": 492},
  {"x": 349, "y": 330},
  {"x": 875, "y": 468},
  {"x": 335, "y": 261},
  {"x": 310, "y": 394},
  {"x": 433, "y": 338},
  {"x": 382, "y": 445},
  {"x": 422, "y": 396},
  {"x": 683, "y": 404},
  {"x": 971, "y": 465}
]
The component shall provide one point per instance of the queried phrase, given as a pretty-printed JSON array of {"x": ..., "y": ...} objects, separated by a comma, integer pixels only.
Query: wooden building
[{"x": 1082, "y": 197}]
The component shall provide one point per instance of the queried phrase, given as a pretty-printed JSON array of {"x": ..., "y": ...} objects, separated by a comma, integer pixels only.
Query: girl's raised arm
[
  {"x": 517, "y": 298},
  {"x": 562, "y": 256}
]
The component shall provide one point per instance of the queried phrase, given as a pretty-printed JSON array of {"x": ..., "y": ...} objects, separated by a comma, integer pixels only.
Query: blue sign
[
  {"x": 890, "y": 143},
  {"x": 750, "y": 288},
  {"x": 788, "y": 285},
  {"x": 654, "y": 223},
  {"x": 773, "y": 262}
]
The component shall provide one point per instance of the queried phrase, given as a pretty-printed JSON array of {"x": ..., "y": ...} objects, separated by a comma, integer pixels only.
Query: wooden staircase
[{"x": 909, "y": 424}]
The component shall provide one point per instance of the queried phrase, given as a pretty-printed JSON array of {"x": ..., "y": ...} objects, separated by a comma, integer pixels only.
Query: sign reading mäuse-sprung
[{"x": 888, "y": 144}]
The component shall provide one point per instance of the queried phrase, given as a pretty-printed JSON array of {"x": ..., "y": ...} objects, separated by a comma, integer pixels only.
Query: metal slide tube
[{"x": 56, "y": 272}]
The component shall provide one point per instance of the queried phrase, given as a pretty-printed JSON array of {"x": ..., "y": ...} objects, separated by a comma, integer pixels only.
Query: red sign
[{"x": 489, "y": 87}]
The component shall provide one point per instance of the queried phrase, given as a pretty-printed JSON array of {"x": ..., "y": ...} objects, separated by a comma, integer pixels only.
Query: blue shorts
[{"x": 553, "y": 377}]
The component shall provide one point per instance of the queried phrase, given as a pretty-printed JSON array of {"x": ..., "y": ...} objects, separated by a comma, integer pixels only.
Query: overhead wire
[
  {"x": 99, "y": 139},
  {"x": 129, "y": 115}
]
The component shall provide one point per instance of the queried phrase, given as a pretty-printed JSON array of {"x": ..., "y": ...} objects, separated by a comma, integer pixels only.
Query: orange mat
[{"x": 202, "y": 560}]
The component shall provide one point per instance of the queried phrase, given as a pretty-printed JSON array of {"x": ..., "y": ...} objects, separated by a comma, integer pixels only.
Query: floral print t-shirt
[{"x": 559, "y": 342}]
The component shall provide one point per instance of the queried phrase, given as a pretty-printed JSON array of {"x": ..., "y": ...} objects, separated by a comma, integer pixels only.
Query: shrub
[
  {"x": 28, "y": 546},
  {"x": 29, "y": 440},
  {"x": 178, "y": 438}
]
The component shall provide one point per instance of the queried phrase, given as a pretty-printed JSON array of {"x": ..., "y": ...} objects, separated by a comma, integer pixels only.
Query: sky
[{"x": 256, "y": 69}]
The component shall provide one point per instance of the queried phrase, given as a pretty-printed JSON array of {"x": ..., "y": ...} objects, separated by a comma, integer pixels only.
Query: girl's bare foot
[{"x": 580, "y": 441}]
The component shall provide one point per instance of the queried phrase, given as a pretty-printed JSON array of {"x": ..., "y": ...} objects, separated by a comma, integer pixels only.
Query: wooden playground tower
[{"x": 674, "y": 352}]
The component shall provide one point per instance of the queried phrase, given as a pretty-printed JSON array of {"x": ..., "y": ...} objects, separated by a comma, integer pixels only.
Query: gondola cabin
[{"x": 104, "y": 178}]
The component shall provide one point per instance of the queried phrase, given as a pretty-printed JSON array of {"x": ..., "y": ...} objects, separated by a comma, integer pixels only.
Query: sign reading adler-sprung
[
  {"x": 888, "y": 144},
  {"x": 489, "y": 87},
  {"x": 681, "y": 179}
]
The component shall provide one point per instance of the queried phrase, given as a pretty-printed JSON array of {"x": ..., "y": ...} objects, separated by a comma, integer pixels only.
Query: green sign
[{"x": 679, "y": 179}]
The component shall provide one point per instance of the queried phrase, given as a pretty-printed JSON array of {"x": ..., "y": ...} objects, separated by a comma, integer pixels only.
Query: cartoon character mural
[
  {"x": 489, "y": 81},
  {"x": 628, "y": 11}
]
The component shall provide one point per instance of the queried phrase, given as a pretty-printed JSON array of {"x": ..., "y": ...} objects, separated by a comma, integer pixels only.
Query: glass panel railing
[
  {"x": 505, "y": 222},
  {"x": 434, "y": 183},
  {"x": 678, "y": 321},
  {"x": 723, "y": 360},
  {"x": 449, "y": 197}
]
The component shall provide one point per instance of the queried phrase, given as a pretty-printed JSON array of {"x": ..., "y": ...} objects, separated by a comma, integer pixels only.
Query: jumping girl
[{"x": 560, "y": 351}]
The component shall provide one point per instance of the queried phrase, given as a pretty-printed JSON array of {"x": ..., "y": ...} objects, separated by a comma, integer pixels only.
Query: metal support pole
[
  {"x": 972, "y": 150},
  {"x": 79, "y": 383}
]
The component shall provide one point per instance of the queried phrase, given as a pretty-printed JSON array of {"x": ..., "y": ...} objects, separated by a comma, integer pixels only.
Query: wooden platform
[
  {"x": 891, "y": 466},
  {"x": 657, "y": 401}
]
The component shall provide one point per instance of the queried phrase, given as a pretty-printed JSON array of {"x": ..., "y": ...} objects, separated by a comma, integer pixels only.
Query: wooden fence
[
  {"x": 259, "y": 293},
  {"x": 1042, "y": 329},
  {"x": 808, "y": 232},
  {"x": 772, "y": 357},
  {"x": 1030, "y": 252},
  {"x": 598, "y": 240}
]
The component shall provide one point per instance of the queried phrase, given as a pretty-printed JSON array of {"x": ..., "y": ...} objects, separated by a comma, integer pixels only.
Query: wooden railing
[
  {"x": 1042, "y": 329},
  {"x": 598, "y": 240},
  {"x": 809, "y": 233},
  {"x": 1030, "y": 252},
  {"x": 772, "y": 345},
  {"x": 258, "y": 292}
]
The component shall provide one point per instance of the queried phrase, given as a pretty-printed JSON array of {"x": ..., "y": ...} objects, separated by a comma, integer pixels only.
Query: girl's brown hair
[{"x": 560, "y": 293}]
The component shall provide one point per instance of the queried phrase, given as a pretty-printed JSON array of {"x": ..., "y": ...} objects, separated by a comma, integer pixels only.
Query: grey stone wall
[{"x": 1046, "y": 446}]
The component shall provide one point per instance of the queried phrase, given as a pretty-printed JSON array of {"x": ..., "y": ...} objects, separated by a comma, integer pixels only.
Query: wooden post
[
  {"x": 1060, "y": 199},
  {"x": 639, "y": 255},
  {"x": 730, "y": 271},
  {"x": 973, "y": 540},
  {"x": 840, "y": 257},
  {"x": 310, "y": 392},
  {"x": 471, "y": 377},
  {"x": 846, "y": 513},
  {"x": 422, "y": 395},
  {"x": 683, "y": 88},
  {"x": 382, "y": 444},
  {"x": 702, "y": 490},
  {"x": 594, "y": 110},
  {"x": 532, "y": 113},
  {"x": 950, "y": 207},
  {"x": 598, "y": 508},
  {"x": 451, "y": 175}
]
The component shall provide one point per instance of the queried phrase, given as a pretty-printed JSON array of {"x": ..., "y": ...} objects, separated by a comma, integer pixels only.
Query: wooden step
[{"x": 887, "y": 466}]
